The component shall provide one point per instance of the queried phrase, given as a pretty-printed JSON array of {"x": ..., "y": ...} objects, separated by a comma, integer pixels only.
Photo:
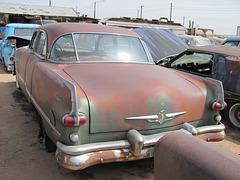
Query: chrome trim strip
[
  {"x": 220, "y": 89},
  {"x": 75, "y": 47},
  {"x": 20, "y": 77},
  {"x": 73, "y": 92},
  {"x": 149, "y": 140}
]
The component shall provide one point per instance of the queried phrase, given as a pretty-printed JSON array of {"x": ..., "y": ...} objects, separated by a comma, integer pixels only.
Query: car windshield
[
  {"x": 23, "y": 31},
  {"x": 98, "y": 48},
  {"x": 203, "y": 42},
  {"x": 194, "y": 62}
]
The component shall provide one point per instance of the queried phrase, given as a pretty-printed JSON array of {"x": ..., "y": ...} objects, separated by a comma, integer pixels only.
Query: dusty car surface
[
  {"x": 102, "y": 99},
  {"x": 218, "y": 62}
]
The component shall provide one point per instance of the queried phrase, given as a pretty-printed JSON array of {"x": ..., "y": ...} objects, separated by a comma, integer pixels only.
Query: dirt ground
[{"x": 23, "y": 157}]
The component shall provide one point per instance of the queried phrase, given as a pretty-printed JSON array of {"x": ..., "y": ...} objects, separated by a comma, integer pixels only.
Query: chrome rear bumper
[{"x": 137, "y": 146}]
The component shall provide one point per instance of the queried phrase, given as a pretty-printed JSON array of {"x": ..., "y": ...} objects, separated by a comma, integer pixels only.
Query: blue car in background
[{"x": 21, "y": 32}]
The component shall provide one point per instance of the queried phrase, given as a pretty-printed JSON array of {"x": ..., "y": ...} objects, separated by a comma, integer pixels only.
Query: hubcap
[{"x": 234, "y": 114}]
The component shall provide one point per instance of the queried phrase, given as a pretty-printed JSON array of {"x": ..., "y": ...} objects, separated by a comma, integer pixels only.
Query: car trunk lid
[{"x": 117, "y": 92}]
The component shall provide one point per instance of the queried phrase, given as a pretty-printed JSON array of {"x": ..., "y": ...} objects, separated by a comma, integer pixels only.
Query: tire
[
  {"x": 232, "y": 114},
  {"x": 49, "y": 145},
  {"x": 3, "y": 61}
]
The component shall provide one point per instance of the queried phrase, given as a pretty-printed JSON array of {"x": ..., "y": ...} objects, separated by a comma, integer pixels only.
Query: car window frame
[
  {"x": 144, "y": 46},
  {"x": 217, "y": 65},
  {"x": 35, "y": 42}
]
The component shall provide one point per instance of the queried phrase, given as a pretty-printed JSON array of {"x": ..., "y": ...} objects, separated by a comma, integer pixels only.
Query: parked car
[
  {"x": 216, "y": 40},
  {"x": 102, "y": 99},
  {"x": 8, "y": 45},
  {"x": 232, "y": 41},
  {"x": 44, "y": 21},
  {"x": 15, "y": 42},
  {"x": 195, "y": 40},
  {"x": 218, "y": 62}
]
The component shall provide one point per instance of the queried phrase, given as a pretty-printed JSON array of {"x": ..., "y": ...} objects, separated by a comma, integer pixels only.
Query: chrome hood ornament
[{"x": 159, "y": 118}]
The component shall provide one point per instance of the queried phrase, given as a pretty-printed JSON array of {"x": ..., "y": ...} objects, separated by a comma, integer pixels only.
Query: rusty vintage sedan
[{"x": 102, "y": 99}]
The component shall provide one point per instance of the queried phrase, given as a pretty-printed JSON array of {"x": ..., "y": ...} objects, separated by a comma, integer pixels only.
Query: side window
[
  {"x": 221, "y": 65},
  {"x": 41, "y": 45},
  {"x": 63, "y": 49},
  {"x": 33, "y": 40}
]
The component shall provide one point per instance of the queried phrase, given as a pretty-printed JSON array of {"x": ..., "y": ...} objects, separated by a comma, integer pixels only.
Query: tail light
[
  {"x": 11, "y": 58},
  {"x": 70, "y": 120},
  {"x": 219, "y": 106}
]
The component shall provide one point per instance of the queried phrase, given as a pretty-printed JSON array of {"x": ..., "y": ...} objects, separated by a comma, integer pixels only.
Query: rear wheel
[
  {"x": 49, "y": 144},
  {"x": 45, "y": 140},
  {"x": 3, "y": 61},
  {"x": 233, "y": 113}
]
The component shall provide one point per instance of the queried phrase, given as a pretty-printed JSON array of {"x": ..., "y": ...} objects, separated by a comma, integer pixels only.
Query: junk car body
[
  {"x": 232, "y": 41},
  {"x": 102, "y": 99},
  {"x": 162, "y": 43},
  {"x": 8, "y": 46},
  {"x": 195, "y": 40},
  {"x": 218, "y": 62}
]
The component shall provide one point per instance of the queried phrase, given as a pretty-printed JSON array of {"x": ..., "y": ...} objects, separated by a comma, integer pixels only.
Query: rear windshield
[
  {"x": 23, "y": 31},
  {"x": 98, "y": 48}
]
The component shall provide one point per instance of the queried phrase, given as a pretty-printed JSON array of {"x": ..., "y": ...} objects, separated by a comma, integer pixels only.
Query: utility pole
[
  {"x": 171, "y": 12},
  {"x": 95, "y": 6},
  {"x": 94, "y": 16},
  {"x": 50, "y": 3},
  {"x": 184, "y": 17},
  {"x": 141, "y": 11}
]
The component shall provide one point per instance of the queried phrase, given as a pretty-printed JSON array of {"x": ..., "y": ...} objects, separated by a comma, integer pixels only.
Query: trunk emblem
[{"x": 159, "y": 118}]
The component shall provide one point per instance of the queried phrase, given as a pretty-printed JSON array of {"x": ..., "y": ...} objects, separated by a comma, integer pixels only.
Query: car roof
[
  {"x": 57, "y": 29},
  {"x": 234, "y": 38},
  {"x": 54, "y": 30},
  {"x": 220, "y": 49},
  {"x": 22, "y": 25}
]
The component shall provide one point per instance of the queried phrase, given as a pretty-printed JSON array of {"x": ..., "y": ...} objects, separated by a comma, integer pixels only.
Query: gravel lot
[{"x": 23, "y": 157}]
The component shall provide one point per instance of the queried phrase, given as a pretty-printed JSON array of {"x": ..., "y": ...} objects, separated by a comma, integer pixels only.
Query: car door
[
  {"x": 21, "y": 64},
  {"x": 38, "y": 55}
]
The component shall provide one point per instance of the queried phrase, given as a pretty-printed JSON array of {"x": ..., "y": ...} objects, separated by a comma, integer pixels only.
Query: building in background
[
  {"x": 133, "y": 23},
  {"x": 16, "y": 13}
]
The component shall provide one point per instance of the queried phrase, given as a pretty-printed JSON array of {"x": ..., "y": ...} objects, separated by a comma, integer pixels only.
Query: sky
[{"x": 223, "y": 16}]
